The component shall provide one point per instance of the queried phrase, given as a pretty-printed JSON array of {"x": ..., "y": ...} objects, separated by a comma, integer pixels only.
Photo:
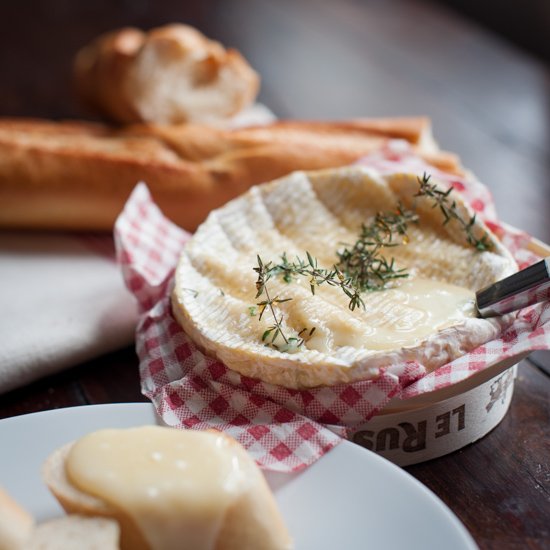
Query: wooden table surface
[{"x": 326, "y": 60}]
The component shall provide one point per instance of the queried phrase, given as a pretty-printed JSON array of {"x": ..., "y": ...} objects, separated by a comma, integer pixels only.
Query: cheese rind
[{"x": 428, "y": 317}]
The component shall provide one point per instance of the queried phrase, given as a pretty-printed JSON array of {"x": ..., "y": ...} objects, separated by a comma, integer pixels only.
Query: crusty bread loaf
[
  {"x": 252, "y": 520},
  {"x": 170, "y": 74},
  {"x": 78, "y": 175}
]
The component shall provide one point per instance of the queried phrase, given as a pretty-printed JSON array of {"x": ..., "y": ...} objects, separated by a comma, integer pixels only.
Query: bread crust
[
  {"x": 170, "y": 74},
  {"x": 100, "y": 72},
  {"x": 78, "y": 175}
]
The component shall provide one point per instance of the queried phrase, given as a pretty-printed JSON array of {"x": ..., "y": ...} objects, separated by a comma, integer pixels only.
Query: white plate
[{"x": 351, "y": 498}]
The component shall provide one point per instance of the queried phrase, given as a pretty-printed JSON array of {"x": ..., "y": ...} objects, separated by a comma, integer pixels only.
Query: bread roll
[
  {"x": 78, "y": 175},
  {"x": 171, "y": 74},
  {"x": 169, "y": 489}
]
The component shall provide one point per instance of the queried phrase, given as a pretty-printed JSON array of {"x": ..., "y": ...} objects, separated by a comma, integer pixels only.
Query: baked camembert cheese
[{"x": 309, "y": 333}]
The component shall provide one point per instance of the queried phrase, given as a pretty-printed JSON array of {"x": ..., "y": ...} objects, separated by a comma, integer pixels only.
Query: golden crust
[
  {"x": 100, "y": 70},
  {"x": 78, "y": 175}
]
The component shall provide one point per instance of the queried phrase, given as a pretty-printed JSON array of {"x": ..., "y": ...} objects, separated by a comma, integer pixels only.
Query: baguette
[
  {"x": 171, "y": 74},
  {"x": 251, "y": 520},
  {"x": 78, "y": 175}
]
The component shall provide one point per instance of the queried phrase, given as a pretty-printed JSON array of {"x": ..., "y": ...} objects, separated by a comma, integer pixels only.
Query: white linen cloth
[{"x": 62, "y": 302}]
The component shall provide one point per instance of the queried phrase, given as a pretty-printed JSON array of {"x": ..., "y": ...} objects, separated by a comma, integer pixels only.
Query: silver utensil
[{"x": 524, "y": 288}]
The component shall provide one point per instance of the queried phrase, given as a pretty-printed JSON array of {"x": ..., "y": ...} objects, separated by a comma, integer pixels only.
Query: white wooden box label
[{"x": 409, "y": 437}]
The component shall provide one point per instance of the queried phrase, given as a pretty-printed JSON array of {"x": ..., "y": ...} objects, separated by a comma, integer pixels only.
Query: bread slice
[
  {"x": 169, "y": 75},
  {"x": 18, "y": 530},
  {"x": 428, "y": 317},
  {"x": 77, "y": 175},
  {"x": 252, "y": 521},
  {"x": 75, "y": 532},
  {"x": 16, "y": 524}
]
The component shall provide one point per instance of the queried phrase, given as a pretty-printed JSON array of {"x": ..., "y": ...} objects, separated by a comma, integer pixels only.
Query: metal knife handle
[{"x": 525, "y": 288}]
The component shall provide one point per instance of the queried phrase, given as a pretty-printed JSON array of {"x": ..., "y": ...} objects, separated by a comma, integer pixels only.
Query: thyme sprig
[
  {"x": 441, "y": 199},
  {"x": 309, "y": 268},
  {"x": 318, "y": 276},
  {"x": 290, "y": 271},
  {"x": 270, "y": 335},
  {"x": 361, "y": 267},
  {"x": 364, "y": 264}
]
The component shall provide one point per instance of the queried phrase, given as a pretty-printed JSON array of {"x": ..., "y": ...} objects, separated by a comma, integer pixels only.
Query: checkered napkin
[{"x": 284, "y": 430}]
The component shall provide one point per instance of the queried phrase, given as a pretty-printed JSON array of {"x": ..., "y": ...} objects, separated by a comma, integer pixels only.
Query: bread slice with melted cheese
[
  {"x": 169, "y": 488},
  {"x": 428, "y": 316}
]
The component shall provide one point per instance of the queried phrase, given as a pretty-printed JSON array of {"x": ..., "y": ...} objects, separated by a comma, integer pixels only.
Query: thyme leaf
[
  {"x": 449, "y": 209},
  {"x": 363, "y": 263}
]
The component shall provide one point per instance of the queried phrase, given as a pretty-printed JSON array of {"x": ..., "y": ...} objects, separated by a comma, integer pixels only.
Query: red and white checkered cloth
[{"x": 284, "y": 430}]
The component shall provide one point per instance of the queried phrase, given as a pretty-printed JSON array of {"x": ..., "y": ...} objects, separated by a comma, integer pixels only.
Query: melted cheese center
[
  {"x": 176, "y": 485},
  {"x": 402, "y": 316}
]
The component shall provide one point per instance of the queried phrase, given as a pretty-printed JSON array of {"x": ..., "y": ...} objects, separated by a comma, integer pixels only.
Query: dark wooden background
[
  {"x": 489, "y": 102},
  {"x": 525, "y": 24}
]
